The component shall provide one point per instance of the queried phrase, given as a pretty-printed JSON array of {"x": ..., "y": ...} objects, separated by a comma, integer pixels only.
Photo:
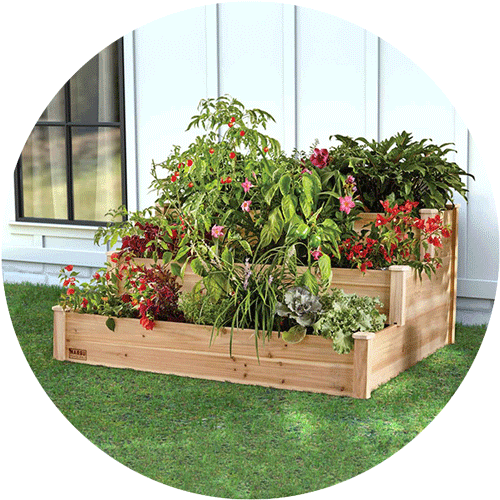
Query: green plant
[
  {"x": 149, "y": 293},
  {"x": 242, "y": 183},
  {"x": 201, "y": 308},
  {"x": 342, "y": 315},
  {"x": 395, "y": 239},
  {"x": 144, "y": 233},
  {"x": 409, "y": 170},
  {"x": 300, "y": 305}
]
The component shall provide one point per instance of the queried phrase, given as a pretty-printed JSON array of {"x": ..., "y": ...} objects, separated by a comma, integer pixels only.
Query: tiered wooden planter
[{"x": 421, "y": 317}]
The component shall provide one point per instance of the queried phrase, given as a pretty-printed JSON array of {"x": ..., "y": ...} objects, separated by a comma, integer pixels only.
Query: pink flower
[
  {"x": 246, "y": 185},
  {"x": 306, "y": 171},
  {"x": 317, "y": 253},
  {"x": 217, "y": 231},
  {"x": 320, "y": 158},
  {"x": 245, "y": 206},
  {"x": 346, "y": 204}
]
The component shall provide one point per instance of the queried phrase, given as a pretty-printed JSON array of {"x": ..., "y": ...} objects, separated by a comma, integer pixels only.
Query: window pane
[
  {"x": 94, "y": 89},
  {"x": 44, "y": 174},
  {"x": 97, "y": 183},
  {"x": 54, "y": 112}
]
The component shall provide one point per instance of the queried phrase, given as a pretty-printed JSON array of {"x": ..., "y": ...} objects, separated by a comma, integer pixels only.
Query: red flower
[
  {"x": 114, "y": 257},
  {"x": 427, "y": 257},
  {"x": 173, "y": 178},
  {"x": 126, "y": 298},
  {"x": 85, "y": 302},
  {"x": 70, "y": 291},
  {"x": 222, "y": 181},
  {"x": 320, "y": 158},
  {"x": 232, "y": 155},
  {"x": 229, "y": 180},
  {"x": 97, "y": 276},
  {"x": 266, "y": 150},
  {"x": 380, "y": 220},
  {"x": 66, "y": 283},
  {"x": 190, "y": 185},
  {"x": 211, "y": 151},
  {"x": 233, "y": 119},
  {"x": 180, "y": 165},
  {"x": 69, "y": 268},
  {"x": 147, "y": 323},
  {"x": 189, "y": 163},
  {"x": 446, "y": 232},
  {"x": 142, "y": 287},
  {"x": 242, "y": 133},
  {"x": 230, "y": 124}
]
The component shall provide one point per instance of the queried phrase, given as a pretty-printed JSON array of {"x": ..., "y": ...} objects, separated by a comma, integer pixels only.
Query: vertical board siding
[
  {"x": 482, "y": 223},
  {"x": 330, "y": 78},
  {"x": 251, "y": 57},
  {"x": 411, "y": 101},
  {"x": 171, "y": 78}
]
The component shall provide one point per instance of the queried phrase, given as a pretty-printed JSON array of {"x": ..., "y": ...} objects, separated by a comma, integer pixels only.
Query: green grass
[{"x": 229, "y": 440}]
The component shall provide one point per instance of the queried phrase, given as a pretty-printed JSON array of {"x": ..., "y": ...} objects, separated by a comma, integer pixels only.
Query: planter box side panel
[
  {"x": 371, "y": 284},
  {"x": 181, "y": 349},
  {"x": 397, "y": 348}
]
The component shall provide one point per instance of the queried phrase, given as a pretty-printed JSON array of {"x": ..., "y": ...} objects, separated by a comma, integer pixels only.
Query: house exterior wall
[{"x": 316, "y": 74}]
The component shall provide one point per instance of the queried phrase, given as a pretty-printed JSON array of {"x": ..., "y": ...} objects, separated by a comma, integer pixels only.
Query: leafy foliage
[
  {"x": 300, "y": 305},
  {"x": 343, "y": 314},
  {"x": 202, "y": 309},
  {"x": 410, "y": 170}
]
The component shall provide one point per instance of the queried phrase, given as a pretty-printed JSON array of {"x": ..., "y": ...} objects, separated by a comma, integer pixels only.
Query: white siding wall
[{"x": 316, "y": 74}]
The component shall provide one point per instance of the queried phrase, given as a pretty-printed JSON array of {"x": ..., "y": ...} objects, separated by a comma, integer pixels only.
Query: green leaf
[
  {"x": 110, "y": 323},
  {"x": 246, "y": 246},
  {"x": 167, "y": 257},
  {"x": 197, "y": 267},
  {"x": 227, "y": 256},
  {"x": 268, "y": 197},
  {"x": 305, "y": 205},
  {"x": 288, "y": 206},
  {"x": 175, "y": 269},
  {"x": 310, "y": 282},
  {"x": 325, "y": 268},
  {"x": 308, "y": 188},
  {"x": 285, "y": 183}
]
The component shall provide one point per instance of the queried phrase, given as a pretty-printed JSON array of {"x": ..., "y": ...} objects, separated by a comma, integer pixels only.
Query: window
[{"x": 72, "y": 167}]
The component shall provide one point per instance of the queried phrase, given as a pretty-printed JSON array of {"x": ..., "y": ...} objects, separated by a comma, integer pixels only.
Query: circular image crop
[{"x": 250, "y": 251}]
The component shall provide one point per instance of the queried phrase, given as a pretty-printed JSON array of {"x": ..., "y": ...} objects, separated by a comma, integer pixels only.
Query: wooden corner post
[
  {"x": 59, "y": 333},
  {"x": 397, "y": 300},
  {"x": 362, "y": 364}
]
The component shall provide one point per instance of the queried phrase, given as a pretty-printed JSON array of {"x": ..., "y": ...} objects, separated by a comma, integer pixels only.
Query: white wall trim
[
  {"x": 212, "y": 40},
  {"x": 55, "y": 256},
  {"x": 372, "y": 81},
  {"x": 289, "y": 78},
  {"x": 130, "y": 121},
  {"x": 480, "y": 289}
]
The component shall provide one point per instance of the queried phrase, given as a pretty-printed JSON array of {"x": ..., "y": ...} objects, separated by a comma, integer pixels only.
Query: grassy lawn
[{"x": 230, "y": 440}]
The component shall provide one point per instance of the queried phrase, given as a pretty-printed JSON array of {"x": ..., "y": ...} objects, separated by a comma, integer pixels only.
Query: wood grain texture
[
  {"x": 59, "y": 344},
  {"x": 183, "y": 349},
  {"x": 423, "y": 307}
]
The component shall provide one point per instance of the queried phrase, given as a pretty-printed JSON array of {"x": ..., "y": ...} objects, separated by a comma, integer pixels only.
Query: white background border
[{"x": 44, "y": 43}]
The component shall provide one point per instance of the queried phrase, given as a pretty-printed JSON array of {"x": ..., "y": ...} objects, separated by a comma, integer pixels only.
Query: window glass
[
  {"x": 94, "y": 89},
  {"x": 55, "y": 111},
  {"x": 97, "y": 185},
  {"x": 44, "y": 174}
]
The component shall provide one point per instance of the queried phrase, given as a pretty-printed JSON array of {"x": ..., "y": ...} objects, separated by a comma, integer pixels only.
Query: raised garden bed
[{"x": 421, "y": 314}]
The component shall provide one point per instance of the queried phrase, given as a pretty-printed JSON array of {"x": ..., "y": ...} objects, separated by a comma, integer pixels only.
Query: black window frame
[{"x": 68, "y": 125}]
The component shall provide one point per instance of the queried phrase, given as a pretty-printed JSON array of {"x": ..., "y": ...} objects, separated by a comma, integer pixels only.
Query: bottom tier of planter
[{"x": 185, "y": 349}]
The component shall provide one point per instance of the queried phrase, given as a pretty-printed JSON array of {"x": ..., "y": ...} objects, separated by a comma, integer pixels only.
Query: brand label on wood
[{"x": 78, "y": 353}]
